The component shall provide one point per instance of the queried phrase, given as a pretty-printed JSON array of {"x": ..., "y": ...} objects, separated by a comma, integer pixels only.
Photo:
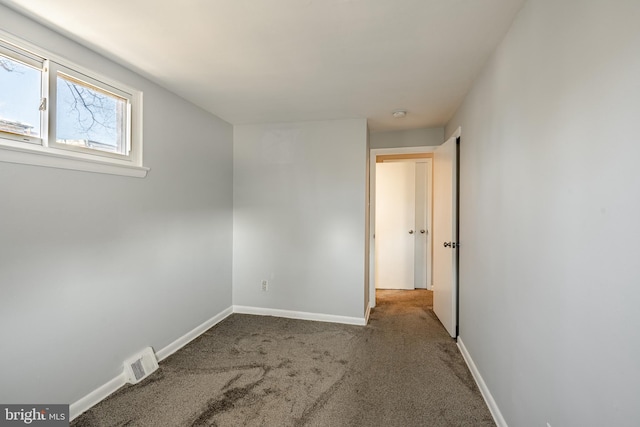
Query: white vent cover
[{"x": 140, "y": 366}]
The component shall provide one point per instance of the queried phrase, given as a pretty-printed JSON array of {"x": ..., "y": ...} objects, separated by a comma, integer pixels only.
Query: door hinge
[{"x": 43, "y": 104}]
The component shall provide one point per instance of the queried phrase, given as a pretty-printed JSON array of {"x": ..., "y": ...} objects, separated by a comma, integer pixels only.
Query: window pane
[
  {"x": 20, "y": 94},
  {"x": 90, "y": 117}
]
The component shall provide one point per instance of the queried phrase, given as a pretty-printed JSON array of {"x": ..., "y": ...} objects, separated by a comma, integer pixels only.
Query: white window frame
[
  {"x": 45, "y": 151},
  {"x": 36, "y": 62}
]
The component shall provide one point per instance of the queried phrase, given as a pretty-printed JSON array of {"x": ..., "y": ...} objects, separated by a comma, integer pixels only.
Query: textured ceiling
[{"x": 256, "y": 61}]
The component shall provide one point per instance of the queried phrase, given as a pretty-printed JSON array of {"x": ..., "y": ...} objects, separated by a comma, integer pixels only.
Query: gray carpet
[{"x": 400, "y": 370}]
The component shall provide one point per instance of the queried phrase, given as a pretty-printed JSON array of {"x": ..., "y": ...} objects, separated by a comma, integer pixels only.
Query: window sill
[{"x": 37, "y": 156}]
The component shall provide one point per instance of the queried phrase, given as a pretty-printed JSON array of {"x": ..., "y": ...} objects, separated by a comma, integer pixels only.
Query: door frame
[{"x": 373, "y": 154}]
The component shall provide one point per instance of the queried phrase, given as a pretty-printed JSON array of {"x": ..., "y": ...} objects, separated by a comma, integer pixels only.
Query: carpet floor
[{"x": 402, "y": 369}]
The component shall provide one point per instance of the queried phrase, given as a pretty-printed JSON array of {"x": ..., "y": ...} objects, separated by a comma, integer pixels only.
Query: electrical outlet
[{"x": 265, "y": 286}]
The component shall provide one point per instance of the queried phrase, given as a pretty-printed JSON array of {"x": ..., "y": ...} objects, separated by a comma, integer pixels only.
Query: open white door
[
  {"x": 395, "y": 222},
  {"x": 445, "y": 298}
]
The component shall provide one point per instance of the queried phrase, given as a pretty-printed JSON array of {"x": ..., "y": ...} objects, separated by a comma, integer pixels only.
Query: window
[
  {"x": 20, "y": 95},
  {"x": 54, "y": 113},
  {"x": 90, "y": 117}
]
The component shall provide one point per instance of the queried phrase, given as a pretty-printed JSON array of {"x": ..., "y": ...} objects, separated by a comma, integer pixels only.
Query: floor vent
[{"x": 140, "y": 366}]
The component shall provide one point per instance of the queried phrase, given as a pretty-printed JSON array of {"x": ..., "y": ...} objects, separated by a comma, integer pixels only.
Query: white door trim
[{"x": 374, "y": 152}]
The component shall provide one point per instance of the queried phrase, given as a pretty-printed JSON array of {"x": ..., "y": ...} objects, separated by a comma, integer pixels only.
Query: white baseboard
[
  {"x": 96, "y": 396},
  {"x": 193, "y": 334},
  {"x": 300, "y": 315},
  {"x": 486, "y": 394}
]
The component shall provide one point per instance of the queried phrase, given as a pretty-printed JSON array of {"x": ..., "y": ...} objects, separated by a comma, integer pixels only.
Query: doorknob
[
  {"x": 422, "y": 231},
  {"x": 447, "y": 244},
  {"x": 451, "y": 245},
  {"x": 410, "y": 231}
]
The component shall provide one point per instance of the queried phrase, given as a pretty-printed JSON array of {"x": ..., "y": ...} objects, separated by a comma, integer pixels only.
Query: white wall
[
  {"x": 550, "y": 208},
  {"x": 299, "y": 216},
  {"x": 95, "y": 267},
  {"x": 407, "y": 138}
]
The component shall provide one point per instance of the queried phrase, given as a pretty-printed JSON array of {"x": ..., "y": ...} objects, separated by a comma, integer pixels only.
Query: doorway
[
  {"x": 389, "y": 155},
  {"x": 443, "y": 244}
]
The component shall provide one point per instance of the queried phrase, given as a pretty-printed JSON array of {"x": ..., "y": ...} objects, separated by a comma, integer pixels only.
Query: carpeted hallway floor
[{"x": 400, "y": 370}]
